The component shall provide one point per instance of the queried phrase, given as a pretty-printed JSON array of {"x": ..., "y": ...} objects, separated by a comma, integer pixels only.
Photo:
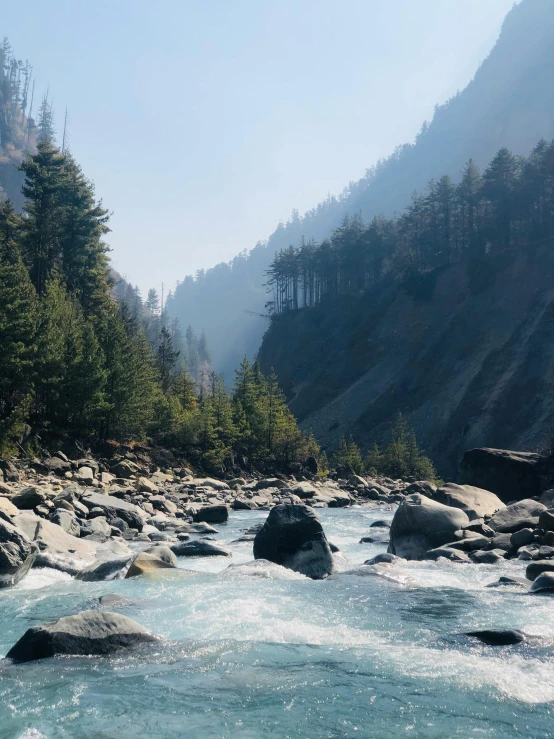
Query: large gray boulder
[
  {"x": 511, "y": 475},
  {"x": 28, "y": 498},
  {"x": 51, "y": 538},
  {"x": 86, "y": 633},
  {"x": 17, "y": 554},
  {"x": 132, "y": 514},
  {"x": 421, "y": 524},
  {"x": 522, "y": 515},
  {"x": 293, "y": 537},
  {"x": 476, "y": 502}
]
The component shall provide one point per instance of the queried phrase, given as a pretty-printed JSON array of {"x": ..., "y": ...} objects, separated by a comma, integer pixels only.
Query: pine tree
[
  {"x": 166, "y": 359},
  {"x": 17, "y": 332}
]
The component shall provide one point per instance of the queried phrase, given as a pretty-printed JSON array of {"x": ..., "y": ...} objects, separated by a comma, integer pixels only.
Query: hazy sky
[{"x": 205, "y": 122}]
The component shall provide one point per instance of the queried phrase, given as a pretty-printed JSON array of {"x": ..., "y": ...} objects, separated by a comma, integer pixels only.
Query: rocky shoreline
[{"x": 105, "y": 519}]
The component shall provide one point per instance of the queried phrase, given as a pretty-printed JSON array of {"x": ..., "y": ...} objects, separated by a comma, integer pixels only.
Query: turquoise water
[{"x": 244, "y": 656}]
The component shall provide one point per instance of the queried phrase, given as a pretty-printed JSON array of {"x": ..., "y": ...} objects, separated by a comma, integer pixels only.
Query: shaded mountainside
[
  {"x": 469, "y": 364},
  {"x": 509, "y": 103}
]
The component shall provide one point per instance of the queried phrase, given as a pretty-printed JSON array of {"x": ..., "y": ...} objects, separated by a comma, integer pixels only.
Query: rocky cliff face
[{"x": 470, "y": 362}]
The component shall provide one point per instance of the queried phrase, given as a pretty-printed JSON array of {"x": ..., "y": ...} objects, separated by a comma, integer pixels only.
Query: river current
[{"x": 249, "y": 656}]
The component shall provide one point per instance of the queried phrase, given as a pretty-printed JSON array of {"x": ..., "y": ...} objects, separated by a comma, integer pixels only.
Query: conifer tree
[
  {"x": 17, "y": 332},
  {"x": 166, "y": 359}
]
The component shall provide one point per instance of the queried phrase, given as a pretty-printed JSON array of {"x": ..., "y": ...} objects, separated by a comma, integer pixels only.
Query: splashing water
[{"x": 249, "y": 651}]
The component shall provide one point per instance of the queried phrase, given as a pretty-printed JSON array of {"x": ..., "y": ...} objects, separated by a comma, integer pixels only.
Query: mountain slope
[
  {"x": 509, "y": 103},
  {"x": 471, "y": 366}
]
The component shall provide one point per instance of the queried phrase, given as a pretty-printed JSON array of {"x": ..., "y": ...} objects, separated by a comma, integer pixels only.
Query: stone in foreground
[
  {"x": 87, "y": 633},
  {"x": 293, "y": 537},
  {"x": 17, "y": 554},
  {"x": 421, "y": 524}
]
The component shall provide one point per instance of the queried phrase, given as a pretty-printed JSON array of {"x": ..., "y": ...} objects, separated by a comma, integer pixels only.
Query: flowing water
[{"x": 247, "y": 656}]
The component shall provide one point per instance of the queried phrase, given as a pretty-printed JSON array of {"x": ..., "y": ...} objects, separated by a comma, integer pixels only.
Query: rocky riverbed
[{"x": 367, "y": 596}]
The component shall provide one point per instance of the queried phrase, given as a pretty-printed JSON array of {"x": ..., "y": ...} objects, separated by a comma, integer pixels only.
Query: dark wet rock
[
  {"x": 546, "y": 520},
  {"x": 383, "y": 558},
  {"x": 115, "y": 600},
  {"x": 105, "y": 569},
  {"x": 476, "y": 502},
  {"x": 380, "y": 525},
  {"x": 146, "y": 563},
  {"x": 511, "y": 475},
  {"x": 376, "y": 538},
  {"x": 87, "y": 633},
  {"x": 498, "y": 637},
  {"x": 543, "y": 583},
  {"x": 212, "y": 514},
  {"x": 421, "y": 524},
  {"x": 490, "y": 557},
  {"x": 293, "y": 537},
  {"x": 545, "y": 552},
  {"x": 60, "y": 562},
  {"x": 522, "y": 537},
  {"x": 505, "y": 581},
  {"x": 243, "y": 504},
  {"x": 334, "y": 548},
  {"x": 501, "y": 541},
  {"x": 17, "y": 554},
  {"x": 454, "y": 555},
  {"x": 199, "y": 548},
  {"x": 534, "y": 569},
  {"x": 469, "y": 543}
]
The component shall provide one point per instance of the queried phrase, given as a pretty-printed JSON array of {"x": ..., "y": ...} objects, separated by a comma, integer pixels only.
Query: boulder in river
[
  {"x": 104, "y": 569},
  {"x": 421, "y": 524},
  {"x": 511, "y": 475},
  {"x": 498, "y": 637},
  {"x": 145, "y": 564},
  {"x": 212, "y": 514},
  {"x": 476, "y": 502},
  {"x": 506, "y": 581},
  {"x": 86, "y": 633},
  {"x": 534, "y": 569},
  {"x": 199, "y": 548},
  {"x": 521, "y": 515},
  {"x": 293, "y": 537},
  {"x": 17, "y": 554},
  {"x": 543, "y": 583}
]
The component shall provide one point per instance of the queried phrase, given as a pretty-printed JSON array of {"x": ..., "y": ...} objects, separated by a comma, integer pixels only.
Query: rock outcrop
[
  {"x": 17, "y": 554},
  {"x": 511, "y": 475}
]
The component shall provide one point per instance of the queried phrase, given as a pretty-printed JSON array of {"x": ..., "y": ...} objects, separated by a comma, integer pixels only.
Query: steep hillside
[
  {"x": 17, "y": 129},
  {"x": 509, "y": 103},
  {"x": 470, "y": 364}
]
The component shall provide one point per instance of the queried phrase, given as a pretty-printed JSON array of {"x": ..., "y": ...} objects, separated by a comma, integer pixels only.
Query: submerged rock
[
  {"x": 17, "y": 554},
  {"x": 293, "y": 537},
  {"x": 383, "y": 558},
  {"x": 506, "y": 581},
  {"x": 104, "y": 569},
  {"x": 87, "y": 633},
  {"x": 144, "y": 564},
  {"x": 421, "y": 524},
  {"x": 199, "y": 548},
  {"x": 261, "y": 568},
  {"x": 543, "y": 583},
  {"x": 498, "y": 637}
]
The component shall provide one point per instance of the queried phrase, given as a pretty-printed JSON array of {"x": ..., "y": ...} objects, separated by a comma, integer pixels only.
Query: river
[{"x": 249, "y": 657}]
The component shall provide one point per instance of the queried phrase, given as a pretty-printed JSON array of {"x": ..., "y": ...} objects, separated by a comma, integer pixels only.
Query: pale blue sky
[{"x": 204, "y": 122}]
